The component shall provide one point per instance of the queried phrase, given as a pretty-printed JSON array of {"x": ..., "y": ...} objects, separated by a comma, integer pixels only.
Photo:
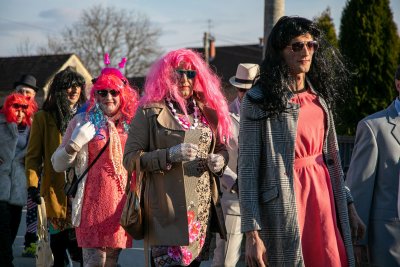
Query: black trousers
[
  {"x": 10, "y": 218},
  {"x": 62, "y": 241}
]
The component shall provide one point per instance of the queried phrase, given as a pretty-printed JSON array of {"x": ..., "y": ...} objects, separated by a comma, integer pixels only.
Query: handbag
[
  {"x": 132, "y": 217},
  {"x": 72, "y": 181},
  {"x": 44, "y": 256}
]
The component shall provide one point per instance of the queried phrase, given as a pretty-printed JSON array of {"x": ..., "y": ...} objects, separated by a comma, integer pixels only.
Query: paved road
[{"x": 132, "y": 257}]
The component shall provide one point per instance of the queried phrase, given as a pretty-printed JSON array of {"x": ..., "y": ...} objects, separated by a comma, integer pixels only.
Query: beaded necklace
[{"x": 181, "y": 119}]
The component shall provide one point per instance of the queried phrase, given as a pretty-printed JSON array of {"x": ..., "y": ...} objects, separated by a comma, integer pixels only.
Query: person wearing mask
[
  {"x": 15, "y": 121},
  {"x": 97, "y": 136},
  {"x": 66, "y": 95},
  {"x": 178, "y": 137},
  {"x": 227, "y": 252}
]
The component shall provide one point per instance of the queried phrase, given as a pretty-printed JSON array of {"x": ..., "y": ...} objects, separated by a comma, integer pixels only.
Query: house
[
  {"x": 42, "y": 67},
  {"x": 226, "y": 60}
]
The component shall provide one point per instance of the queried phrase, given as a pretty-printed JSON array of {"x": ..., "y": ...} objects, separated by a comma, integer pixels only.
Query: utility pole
[
  {"x": 273, "y": 10},
  {"x": 206, "y": 47}
]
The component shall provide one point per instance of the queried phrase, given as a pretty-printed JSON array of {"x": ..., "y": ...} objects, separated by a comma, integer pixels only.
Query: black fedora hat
[{"x": 27, "y": 80}]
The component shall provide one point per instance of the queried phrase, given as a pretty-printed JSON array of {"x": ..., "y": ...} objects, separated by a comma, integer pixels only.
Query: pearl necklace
[{"x": 184, "y": 123}]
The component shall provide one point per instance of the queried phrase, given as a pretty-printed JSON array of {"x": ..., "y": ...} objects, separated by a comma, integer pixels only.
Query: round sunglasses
[
  {"x": 299, "y": 46},
  {"x": 104, "y": 93},
  {"x": 190, "y": 74}
]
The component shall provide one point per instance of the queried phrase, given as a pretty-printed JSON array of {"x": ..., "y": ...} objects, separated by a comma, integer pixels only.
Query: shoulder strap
[{"x": 93, "y": 162}]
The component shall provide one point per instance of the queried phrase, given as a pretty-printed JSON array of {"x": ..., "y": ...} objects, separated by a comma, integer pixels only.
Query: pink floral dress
[
  {"x": 322, "y": 244},
  {"x": 198, "y": 199},
  {"x": 104, "y": 198}
]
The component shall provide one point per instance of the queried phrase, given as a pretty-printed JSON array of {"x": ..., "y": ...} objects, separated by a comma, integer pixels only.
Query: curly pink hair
[
  {"x": 111, "y": 78},
  {"x": 162, "y": 82},
  {"x": 9, "y": 111}
]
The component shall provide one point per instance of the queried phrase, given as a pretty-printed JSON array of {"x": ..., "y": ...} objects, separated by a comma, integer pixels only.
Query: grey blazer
[
  {"x": 229, "y": 200},
  {"x": 267, "y": 197},
  {"x": 373, "y": 178}
]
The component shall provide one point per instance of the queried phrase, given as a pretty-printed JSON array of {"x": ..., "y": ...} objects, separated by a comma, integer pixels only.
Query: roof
[
  {"x": 227, "y": 58},
  {"x": 42, "y": 67},
  {"x": 137, "y": 82}
]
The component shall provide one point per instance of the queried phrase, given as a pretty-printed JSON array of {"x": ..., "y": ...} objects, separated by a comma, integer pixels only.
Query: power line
[
  {"x": 182, "y": 44},
  {"x": 29, "y": 25},
  {"x": 230, "y": 38}
]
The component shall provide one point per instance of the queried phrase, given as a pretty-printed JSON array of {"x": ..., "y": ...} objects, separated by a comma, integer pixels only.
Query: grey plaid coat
[{"x": 267, "y": 198}]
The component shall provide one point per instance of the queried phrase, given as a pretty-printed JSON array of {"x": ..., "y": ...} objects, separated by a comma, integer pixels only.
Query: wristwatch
[{"x": 74, "y": 146}]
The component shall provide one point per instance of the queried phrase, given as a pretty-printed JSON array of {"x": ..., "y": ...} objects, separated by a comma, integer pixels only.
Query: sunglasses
[
  {"x": 242, "y": 90},
  {"x": 19, "y": 106},
  {"x": 104, "y": 93},
  {"x": 299, "y": 46},
  {"x": 190, "y": 74}
]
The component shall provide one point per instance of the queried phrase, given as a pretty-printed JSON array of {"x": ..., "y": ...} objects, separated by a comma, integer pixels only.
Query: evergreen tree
[
  {"x": 325, "y": 23},
  {"x": 369, "y": 39}
]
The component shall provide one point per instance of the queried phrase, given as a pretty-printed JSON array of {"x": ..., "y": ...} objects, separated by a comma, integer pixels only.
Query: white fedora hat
[{"x": 246, "y": 75}]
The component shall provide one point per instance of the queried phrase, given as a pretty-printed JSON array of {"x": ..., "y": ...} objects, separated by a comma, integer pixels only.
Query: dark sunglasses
[
  {"x": 104, "y": 93},
  {"x": 299, "y": 46},
  {"x": 19, "y": 106},
  {"x": 241, "y": 90},
  {"x": 190, "y": 74}
]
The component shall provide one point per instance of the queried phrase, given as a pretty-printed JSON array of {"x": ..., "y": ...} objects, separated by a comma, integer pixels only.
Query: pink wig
[
  {"x": 111, "y": 78},
  {"x": 9, "y": 111},
  {"x": 162, "y": 82}
]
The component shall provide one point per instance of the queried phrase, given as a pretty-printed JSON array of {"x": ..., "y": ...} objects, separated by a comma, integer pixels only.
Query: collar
[
  {"x": 167, "y": 120},
  {"x": 397, "y": 105}
]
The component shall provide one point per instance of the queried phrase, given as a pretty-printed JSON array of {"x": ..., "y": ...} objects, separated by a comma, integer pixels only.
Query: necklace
[{"x": 181, "y": 120}]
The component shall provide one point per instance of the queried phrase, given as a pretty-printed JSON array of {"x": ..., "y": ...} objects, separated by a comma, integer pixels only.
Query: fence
[{"x": 346, "y": 145}]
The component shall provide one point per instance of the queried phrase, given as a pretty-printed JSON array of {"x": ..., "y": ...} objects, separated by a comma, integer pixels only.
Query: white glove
[
  {"x": 182, "y": 152},
  {"x": 215, "y": 162},
  {"x": 82, "y": 134}
]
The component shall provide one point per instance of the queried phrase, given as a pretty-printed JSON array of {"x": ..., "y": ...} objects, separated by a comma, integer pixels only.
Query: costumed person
[
  {"x": 178, "y": 136},
  {"x": 66, "y": 95},
  {"x": 100, "y": 133},
  {"x": 227, "y": 252},
  {"x": 295, "y": 209},
  {"x": 15, "y": 121},
  {"x": 27, "y": 85}
]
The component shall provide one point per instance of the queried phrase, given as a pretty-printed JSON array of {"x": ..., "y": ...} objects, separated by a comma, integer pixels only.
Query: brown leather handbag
[{"x": 132, "y": 217}]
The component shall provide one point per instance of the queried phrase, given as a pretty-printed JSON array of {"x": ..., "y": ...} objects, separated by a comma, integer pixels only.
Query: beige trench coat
[{"x": 152, "y": 131}]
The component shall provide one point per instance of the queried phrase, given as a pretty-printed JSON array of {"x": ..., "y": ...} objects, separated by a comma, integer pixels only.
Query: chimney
[{"x": 260, "y": 41}]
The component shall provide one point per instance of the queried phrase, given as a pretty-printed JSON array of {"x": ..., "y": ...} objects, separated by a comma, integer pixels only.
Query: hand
[
  {"x": 256, "y": 253},
  {"x": 34, "y": 194},
  {"x": 356, "y": 224},
  {"x": 361, "y": 255},
  {"x": 215, "y": 162},
  {"x": 182, "y": 152},
  {"x": 235, "y": 188},
  {"x": 82, "y": 134}
]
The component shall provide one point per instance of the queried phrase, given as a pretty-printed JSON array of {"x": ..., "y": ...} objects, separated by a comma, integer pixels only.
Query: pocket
[{"x": 269, "y": 195}]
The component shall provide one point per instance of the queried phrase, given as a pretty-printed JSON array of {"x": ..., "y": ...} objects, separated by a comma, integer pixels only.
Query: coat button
[{"x": 330, "y": 162}]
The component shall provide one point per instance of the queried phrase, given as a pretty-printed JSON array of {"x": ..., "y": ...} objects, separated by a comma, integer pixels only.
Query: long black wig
[
  {"x": 328, "y": 73},
  {"x": 57, "y": 100}
]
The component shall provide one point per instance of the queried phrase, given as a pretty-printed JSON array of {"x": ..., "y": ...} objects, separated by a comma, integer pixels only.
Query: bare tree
[
  {"x": 25, "y": 47},
  {"x": 120, "y": 33}
]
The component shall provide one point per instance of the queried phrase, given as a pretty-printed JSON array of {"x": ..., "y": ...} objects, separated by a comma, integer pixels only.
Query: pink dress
[
  {"x": 322, "y": 244},
  {"x": 103, "y": 201}
]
